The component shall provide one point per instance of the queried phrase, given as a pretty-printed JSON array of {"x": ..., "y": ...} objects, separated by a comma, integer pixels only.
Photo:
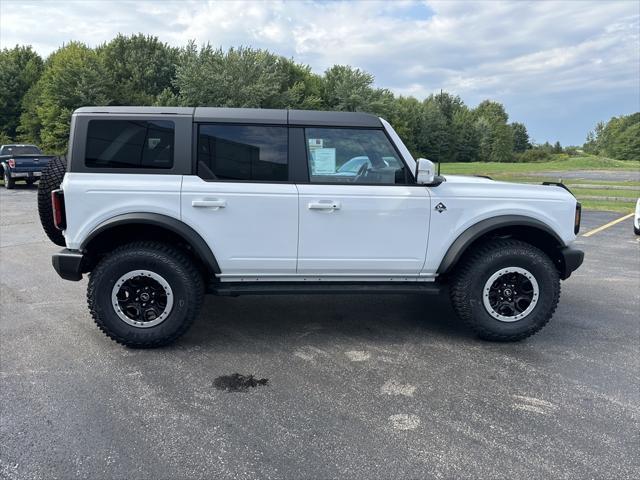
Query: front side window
[
  {"x": 347, "y": 155},
  {"x": 130, "y": 144},
  {"x": 243, "y": 153}
]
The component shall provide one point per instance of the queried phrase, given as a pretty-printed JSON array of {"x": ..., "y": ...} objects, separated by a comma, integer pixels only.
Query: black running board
[{"x": 331, "y": 288}]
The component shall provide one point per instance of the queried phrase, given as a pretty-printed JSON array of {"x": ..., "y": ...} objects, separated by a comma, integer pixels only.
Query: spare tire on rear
[{"x": 51, "y": 179}]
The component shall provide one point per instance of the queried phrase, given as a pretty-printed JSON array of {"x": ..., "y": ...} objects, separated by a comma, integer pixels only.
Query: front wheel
[
  {"x": 9, "y": 182},
  {"x": 145, "y": 294},
  {"x": 506, "y": 290}
]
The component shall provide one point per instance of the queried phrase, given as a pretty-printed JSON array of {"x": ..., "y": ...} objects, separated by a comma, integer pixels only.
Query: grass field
[
  {"x": 600, "y": 198},
  {"x": 559, "y": 163}
]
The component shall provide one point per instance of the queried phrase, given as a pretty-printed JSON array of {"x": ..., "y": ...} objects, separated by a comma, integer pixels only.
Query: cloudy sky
[{"x": 559, "y": 67}]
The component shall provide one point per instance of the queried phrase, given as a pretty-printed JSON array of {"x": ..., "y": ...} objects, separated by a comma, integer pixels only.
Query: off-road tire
[
  {"x": 50, "y": 180},
  {"x": 169, "y": 262},
  {"x": 9, "y": 183},
  {"x": 476, "y": 267}
]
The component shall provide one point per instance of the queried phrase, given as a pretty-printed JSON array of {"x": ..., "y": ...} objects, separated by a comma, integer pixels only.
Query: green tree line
[
  {"x": 618, "y": 138},
  {"x": 37, "y": 97}
]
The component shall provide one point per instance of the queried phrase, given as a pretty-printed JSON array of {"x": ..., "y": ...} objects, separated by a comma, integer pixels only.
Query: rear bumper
[
  {"x": 25, "y": 174},
  {"x": 572, "y": 258},
  {"x": 68, "y": 264}
]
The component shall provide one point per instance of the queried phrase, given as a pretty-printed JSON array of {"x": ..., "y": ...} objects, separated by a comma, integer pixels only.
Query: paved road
[{"x": 358, "y": 387}]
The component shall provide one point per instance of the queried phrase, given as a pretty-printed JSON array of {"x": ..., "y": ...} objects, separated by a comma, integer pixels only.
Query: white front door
[
  {"x": 360, "y": 214},
  {"x": 363, "y": 230}
]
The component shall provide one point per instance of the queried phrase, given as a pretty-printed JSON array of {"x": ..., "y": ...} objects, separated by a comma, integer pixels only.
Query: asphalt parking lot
[{"x": 358, "y": 386}]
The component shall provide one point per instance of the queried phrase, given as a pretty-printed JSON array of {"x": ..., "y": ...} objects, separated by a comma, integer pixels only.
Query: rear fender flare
[{"x": 193, "y": 238}]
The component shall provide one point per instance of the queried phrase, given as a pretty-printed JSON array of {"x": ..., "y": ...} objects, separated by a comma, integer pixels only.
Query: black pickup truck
[{"x": 22, "y": 162}]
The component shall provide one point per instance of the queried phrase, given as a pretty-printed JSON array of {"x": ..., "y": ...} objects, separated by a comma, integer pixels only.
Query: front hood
[
  {"x": 470, "y": 185},
  {"x": 468, "y": 200},
  {"x": 468, "y": 179}
]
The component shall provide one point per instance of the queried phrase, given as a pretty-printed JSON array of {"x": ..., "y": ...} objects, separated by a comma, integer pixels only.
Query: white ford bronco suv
[{"x": 163, "y": 204}]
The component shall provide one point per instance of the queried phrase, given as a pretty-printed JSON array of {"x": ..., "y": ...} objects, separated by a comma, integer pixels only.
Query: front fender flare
[
  {"x": 174, "y": 225},
  {"x": 471, "y": 234}
]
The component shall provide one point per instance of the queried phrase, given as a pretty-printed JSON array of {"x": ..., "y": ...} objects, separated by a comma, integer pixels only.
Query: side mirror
[{"x": 425, "y": 171}]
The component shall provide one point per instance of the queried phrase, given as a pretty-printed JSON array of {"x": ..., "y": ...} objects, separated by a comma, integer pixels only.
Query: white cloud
[{"x": 522, "y": 53}]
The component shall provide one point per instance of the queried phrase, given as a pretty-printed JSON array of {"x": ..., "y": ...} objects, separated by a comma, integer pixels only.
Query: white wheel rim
[{"x": 508, "y": 291}]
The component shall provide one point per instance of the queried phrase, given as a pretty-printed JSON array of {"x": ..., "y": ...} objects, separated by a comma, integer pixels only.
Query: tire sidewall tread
[
  {"x": 9, "y": 183},
  {"x": 173, "y": 265},
  {"x": 50, "y": 180},
  {"x": 480, "y": 264}
]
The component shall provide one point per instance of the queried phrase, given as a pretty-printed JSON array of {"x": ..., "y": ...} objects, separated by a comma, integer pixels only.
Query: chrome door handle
[
  {"x": 209, "y": 203},
  {"x": 324, "y": 206}
]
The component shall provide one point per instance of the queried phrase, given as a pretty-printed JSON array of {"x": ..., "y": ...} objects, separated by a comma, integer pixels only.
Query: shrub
[
  {"x": 572, "y": 151},
  {"x": 4, "y": 138},
  {"x": 531, "y": 155}
]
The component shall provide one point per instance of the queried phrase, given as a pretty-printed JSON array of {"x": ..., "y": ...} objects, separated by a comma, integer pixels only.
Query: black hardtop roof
[{"x": 250, "y": 115}]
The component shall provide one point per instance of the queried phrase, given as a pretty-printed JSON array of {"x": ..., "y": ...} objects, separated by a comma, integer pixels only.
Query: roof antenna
[{"x": 438, "y": 168}]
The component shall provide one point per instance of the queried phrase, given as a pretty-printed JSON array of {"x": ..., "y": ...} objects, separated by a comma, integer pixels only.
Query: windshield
[{"x": 21, "y": 150}]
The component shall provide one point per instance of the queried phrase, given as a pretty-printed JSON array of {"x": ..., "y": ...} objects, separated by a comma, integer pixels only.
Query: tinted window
[
  {"x": 242, "y": 152},
  {"x": 21, "y": 150},
  {"x": 130, "y": 144},
  {"x": 347, "y": 155}
]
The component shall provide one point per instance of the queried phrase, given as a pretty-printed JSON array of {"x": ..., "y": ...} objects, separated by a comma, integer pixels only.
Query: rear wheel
[
  {"x": 145, "y": 294},
  {"x": 51, "y": 179},
  {"x": 506, "y": 290}
]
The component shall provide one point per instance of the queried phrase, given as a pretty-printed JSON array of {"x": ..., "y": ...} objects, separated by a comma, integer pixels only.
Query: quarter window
[
  {"x": 130, "y": 144},
  {"x": 347, "y": 155},
  {"x": 243, "y": 153}
]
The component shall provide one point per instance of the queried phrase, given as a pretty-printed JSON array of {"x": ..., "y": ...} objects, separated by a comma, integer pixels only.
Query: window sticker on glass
[
  {"x": 323, "y": 161},
  {"x": 315, "y": 143}
]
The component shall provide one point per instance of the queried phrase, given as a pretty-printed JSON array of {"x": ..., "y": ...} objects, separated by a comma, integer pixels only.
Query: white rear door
[
  {"x": 240, "y": 202},
  {"x": 252, "y": 228}
]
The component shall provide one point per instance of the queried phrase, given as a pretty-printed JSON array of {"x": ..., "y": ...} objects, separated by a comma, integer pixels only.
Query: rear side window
[
  {"x": 130, "y": 144},
  {"x": 242, "y": 153}
]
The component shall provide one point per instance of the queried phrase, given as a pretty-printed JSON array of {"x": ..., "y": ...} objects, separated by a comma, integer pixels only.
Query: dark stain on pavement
[{"x": 238, "y": 383}]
